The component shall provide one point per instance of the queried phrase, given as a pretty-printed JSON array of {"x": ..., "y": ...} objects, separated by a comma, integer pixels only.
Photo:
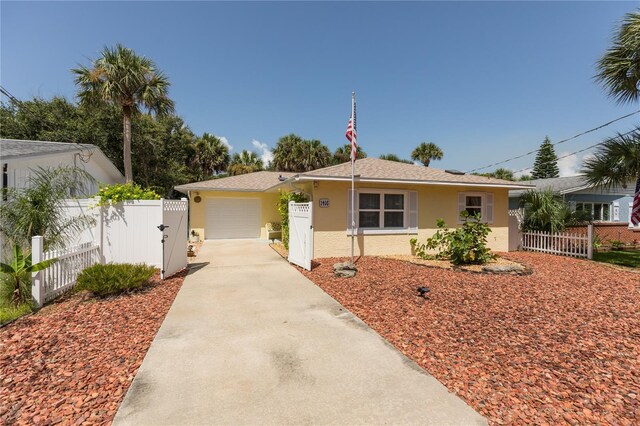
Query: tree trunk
[{"x": 126, "y": 122}]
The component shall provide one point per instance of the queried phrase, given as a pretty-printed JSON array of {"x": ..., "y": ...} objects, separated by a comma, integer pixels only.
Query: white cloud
[
  {"x": 568, "y": 165},
  {"x": 226, "y": 142},
  {"x": 521, "y": 173},
  {"x": 264, "y": 151}
]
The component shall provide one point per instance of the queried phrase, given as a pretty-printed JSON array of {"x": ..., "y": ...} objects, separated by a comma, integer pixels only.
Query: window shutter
[
  {"x": 350, "y": 208},
  {"x": 488, "y": 208},
  {"x": 462, "y": 202},
  {"x": 616, "y": 211},
  {"x": 413, "y": 211}
]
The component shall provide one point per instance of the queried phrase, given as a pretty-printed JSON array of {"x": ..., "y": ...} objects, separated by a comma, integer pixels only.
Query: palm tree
[
  {"x": 316, "y": 155},
  {"x": 211, "y": 155},
  {"x": 427, "y": 151},
  {"x": 619, "y": 67},
  {"x": 287, "y": 155},
  {"x": 244, "y": 162},
  {"x": 131, "y": 82},
  {"x": 393, "y": 157},
  {"x": 343, "y": 154},
  {"x": 616, "y": 162},
  {"x": 543, "y": 211}
]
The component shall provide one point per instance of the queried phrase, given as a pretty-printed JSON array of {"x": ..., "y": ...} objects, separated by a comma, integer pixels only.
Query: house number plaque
[{"x": 324, "y": 203}]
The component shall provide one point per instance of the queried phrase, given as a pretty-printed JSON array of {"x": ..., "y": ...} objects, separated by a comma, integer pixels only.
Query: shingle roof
[
  {"x": 375, "y": 169},
  {"x": 12, "y": 148},
  {"x": 252, "y": 182},
  {"x": 559, "y": 184}
]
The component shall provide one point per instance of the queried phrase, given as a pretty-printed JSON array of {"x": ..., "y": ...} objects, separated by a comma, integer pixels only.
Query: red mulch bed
[
  {"x": 73, "y": 361},
  {"x": 559, "y": 346}
]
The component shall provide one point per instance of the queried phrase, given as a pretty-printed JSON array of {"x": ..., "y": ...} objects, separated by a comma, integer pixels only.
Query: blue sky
[{"x": 484, "y": 80}]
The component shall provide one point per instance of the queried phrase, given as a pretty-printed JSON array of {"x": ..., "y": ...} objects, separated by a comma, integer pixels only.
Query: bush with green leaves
[
  {"x": 15, "y": 277},
  {"x": 466, "y": 245},
  {"x": 114, "y": 278},
  {"x": 113, "y": 194},
  {"x": 283, "y": 208}
]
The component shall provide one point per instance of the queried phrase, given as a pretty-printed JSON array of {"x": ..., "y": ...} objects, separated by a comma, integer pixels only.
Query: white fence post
[
  {"x": 590, "y": 241},
  {"x": 37, "y": 280}
]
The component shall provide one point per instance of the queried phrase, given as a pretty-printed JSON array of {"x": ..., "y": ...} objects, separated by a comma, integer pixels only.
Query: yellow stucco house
[{"x": 394, "y": 202}]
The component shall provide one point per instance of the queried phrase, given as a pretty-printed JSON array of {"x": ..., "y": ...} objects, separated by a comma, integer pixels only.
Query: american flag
[
  {"x": 635, "y": 210},
  {"x": 351, "y": 132}
]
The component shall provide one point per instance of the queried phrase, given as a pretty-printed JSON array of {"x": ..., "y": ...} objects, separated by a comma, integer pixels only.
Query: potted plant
[{"x": 195, "y": 236}]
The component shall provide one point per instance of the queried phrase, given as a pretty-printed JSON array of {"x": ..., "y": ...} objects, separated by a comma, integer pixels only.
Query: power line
[
  {"x": 557, "y": 143},
  {"x": 574, "y": 153}
]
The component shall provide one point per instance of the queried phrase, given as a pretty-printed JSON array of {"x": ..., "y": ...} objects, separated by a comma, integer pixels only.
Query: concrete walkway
[{"x": 249, "y": 340}]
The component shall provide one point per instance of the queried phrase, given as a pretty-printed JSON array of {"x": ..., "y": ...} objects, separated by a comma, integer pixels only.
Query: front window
[
  {"x": 473, "y": 204},
  {"x": 598, "y": 211},
  {"x": 381, "y": 210}
]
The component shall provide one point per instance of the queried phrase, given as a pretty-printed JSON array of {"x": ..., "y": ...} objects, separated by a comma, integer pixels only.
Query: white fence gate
[
  {"x": 567, "y": 244},
  {"x": 144, "y": 231},
  {"x": 174, "y": 236},
  {"x": 301, "y": 234}
]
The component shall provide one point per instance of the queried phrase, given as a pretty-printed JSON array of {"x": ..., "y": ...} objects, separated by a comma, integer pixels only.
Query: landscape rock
[
  {"x": 345, "y": 273},
  {"x": 505, "y": 269},
  {"x": 344, "y": 266}
]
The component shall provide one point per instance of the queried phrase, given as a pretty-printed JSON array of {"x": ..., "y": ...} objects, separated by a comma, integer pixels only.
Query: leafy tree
[
  {"x": 619, "y": 68},
  {"x": 546, "y": 164},
  {"x": 342, "y": 154},
  {"x": 38, "y": 208},
  {"x": 616, "y": 162},
  {"x": 427, "y": 151},
  {"x": 123, "y": 79},
  {"x": 294, "y": 154},
  {"x": 244, "y": 162},
  {"x": 525, "y": 178},
  {"x": 394, "y": 157},
  {"x": 211, "y": 156}
]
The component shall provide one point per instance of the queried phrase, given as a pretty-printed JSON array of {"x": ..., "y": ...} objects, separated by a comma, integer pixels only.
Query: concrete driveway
[{"x": 249, "y": 340}]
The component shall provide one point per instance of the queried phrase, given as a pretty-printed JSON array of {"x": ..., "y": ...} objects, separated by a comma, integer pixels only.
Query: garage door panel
[{"x": 232, "y": 218}]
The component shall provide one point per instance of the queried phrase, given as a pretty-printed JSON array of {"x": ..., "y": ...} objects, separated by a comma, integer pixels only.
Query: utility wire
[
  {"x": 557, "y": 143},
  {"x": 573, "y": 153}
]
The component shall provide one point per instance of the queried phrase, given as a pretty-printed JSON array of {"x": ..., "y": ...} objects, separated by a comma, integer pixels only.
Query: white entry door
[
  {"x": 301, "y": 234},
  {"x": 232, "y": 218}
]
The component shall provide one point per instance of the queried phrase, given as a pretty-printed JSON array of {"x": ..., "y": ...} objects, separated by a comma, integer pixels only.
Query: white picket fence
[
  {"x": 62, "y": 275},
  {"x": 564, "y": 243}
]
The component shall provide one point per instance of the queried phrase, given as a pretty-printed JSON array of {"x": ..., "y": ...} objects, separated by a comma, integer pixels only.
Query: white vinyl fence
[
  {"x": 62, "y": 275},
  {"x": 301, "y": 234},
  {"x": 144, "y": 231},
  {"x": 564, "y": 243}
]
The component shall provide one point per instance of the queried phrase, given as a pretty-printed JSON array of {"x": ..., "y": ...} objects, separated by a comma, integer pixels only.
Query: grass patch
[
  {"x": 9, "y": 313},
  {"x": 630, "y": 258}
]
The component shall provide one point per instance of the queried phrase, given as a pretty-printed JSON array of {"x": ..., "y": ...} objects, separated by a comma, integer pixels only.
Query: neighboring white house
[{"x": 18, "y": 159}]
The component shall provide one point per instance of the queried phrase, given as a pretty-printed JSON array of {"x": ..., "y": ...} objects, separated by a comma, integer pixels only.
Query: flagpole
[{"x": 353, "y": 169}]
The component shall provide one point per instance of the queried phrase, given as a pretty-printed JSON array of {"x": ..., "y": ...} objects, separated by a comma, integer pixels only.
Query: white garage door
[{"x": 232, "y": 218}]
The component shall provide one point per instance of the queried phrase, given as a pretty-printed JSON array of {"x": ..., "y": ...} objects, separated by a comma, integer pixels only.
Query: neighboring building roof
[
  {"x": 18, "y": 149},
  {"x": 250, "y": 182},
  {"x": 567, "y": 185},
  {"x": 12, "y": 148},
  {"x": 377, "y": 170}
]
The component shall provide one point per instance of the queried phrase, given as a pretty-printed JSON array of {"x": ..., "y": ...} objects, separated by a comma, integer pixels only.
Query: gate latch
[{"x": 162, "y": 227}]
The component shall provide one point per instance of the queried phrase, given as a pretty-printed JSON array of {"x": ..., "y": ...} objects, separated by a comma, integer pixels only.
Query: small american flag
[
  {"x": 351, "y": 132},
  {"x": 635, "y": 210}
]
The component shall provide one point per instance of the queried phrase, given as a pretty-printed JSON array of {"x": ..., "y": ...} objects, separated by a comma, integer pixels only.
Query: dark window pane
[
  {"x": 605, "y": 212},
  {"x": 394, "y": 201},
  {"x": 369, "y": 220},
  {"x": 597, "y": 212},
  {"x": 370, "y": 201},
  {"x": 473, "y": 210},
  {"x": 393, "y": 220},
  {"x": 474, "y": 201}
]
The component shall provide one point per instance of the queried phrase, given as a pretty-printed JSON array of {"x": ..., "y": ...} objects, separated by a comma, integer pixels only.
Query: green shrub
[
  {"x": 11, "y": 312},
  {"x": 463, "y": 246},
  {"x": 617, "y": 245},
  {"x": 283, "y": 207},
  {"x": 114, "y": 278},
  {"x": 113, "y": 194}
]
